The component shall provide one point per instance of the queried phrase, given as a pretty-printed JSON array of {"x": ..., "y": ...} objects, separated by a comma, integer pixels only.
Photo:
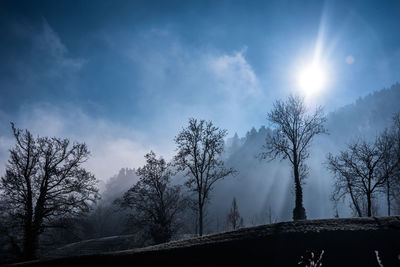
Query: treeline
[{"x": 48, "y": 199}]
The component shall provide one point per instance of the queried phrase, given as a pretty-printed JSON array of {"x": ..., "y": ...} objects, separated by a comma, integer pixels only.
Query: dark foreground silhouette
[{"x": 346, "y": 242}]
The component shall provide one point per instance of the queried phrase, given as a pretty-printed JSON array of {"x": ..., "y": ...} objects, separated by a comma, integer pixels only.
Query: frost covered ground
[{"x": 346, "y": 242}]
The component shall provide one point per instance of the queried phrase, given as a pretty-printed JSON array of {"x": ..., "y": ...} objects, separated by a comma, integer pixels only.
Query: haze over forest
[
  {"x": 104, "y": 106},
  {"x": 262, "y": 186}
]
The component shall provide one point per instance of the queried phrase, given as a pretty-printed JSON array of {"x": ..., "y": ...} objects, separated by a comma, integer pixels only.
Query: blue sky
[{"x": 125, "y": 76}]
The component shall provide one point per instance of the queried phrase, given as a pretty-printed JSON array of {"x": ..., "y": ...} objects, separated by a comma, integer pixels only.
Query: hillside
[
  {"x": 346, "y": 242},
  {"x": 261, "y": 185},
  {"x": 366, "y": 116},
  {"x": 93, "y": 246}
]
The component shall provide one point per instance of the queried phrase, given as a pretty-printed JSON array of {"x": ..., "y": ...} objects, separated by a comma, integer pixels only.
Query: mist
[
  {"x": 125, "y": 79},
  {"x": 263, "y": 186},
  {"x": 264, "y": 190}
]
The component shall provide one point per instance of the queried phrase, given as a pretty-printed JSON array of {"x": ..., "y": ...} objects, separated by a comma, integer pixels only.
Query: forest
[{"x": 303, "y": 164}]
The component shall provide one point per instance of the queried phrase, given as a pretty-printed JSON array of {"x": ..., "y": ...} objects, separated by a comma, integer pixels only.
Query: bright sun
[{"x": 312, "y": 79}]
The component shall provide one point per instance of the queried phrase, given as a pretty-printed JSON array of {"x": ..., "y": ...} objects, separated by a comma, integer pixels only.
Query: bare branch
[{"x": 199, "y": 147}]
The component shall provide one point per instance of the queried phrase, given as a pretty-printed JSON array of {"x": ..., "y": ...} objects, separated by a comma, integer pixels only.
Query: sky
[{"x": 125, "y": 76}]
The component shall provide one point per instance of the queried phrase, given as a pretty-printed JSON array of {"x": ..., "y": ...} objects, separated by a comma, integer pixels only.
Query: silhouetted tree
[
  {"x": 395, "y": 178},
  {"x": 388, "y": 144},
  {"x": 367, "y": 168},
  {"x": 44, "y": 181},
  {"x": 359, "y": 173},
  {"x": 294, "y": 130},
  {"x": 155, "y": 202},
  {"x": 199, "y": 148},
  {"x": 233, "y": 219}
]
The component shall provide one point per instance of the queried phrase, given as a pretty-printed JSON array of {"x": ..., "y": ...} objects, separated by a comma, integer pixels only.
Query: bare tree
[
  {"x": 389, "y": 144},
  {"x": 156, "y": 203},
  {"x": 294, "y": 130},
  {"x": 233, "y": 219},
  {"x": 386, "y": 145},
  {"x": 367, "y": 168},
  {"x": 44, "y": 181},
  {"x": 199, "y": 147},
  {"x": 395, "y": 191},
  {"x": 358, "y": 173}
]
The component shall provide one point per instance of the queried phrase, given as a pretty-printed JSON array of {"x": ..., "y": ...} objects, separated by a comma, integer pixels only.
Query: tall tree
[
  {"x": 233, "y": 219},
  {"x": 396, "y": 174},
  {"x": 156, "y": 203},
  {"x": 368, "y": 168},
  {"x": 388, "y": 165},
  {"x": 44, "y": 181},
  {"x": 389, "y": 144},
  {"x": 358, "y": 173},
  {"x": 199, "y": 147},
  {"x": 294, "y": 130}
]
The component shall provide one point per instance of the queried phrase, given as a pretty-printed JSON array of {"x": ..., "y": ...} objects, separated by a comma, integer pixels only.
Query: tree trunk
[
  {"x": 299, "y": 213},
  {"x": 30, "y": 238},
  {"x": 369, "y": 204},
  {"x": 200, "y": 219},
  {"x": 355, "y": 203},
  {"x": 30, "y": 243},
  {"x": 388, "y": 195}
]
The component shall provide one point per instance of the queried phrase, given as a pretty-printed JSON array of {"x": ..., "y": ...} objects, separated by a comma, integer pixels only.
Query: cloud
[
  {"x": 178, "y": 80},
  {"x": 175, "y": 81},
  {"x": 37, "y": 64},
  {"x": 234, "y": 75},
  {"x": 112, "y": 146},
  {"x": 48, "y": 42},
  {"x": 166, "y": 61}
]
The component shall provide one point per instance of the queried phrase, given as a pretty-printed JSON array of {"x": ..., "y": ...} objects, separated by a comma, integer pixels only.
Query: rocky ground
[{"x": 346, "y": 242}]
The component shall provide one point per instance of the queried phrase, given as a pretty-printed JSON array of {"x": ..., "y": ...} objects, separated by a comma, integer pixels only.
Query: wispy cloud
[
  {"x": 39, "y": 67},
  {"x": 173, "y": 82},
  {"x": 178, "y": 81},
  {"x": 112, "y": 146},
  {"x": 234, "y": 75},
  {"x": 47, "y": 42}
]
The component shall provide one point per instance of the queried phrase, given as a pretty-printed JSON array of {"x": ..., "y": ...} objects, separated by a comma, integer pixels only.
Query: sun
[{"x": 312, "y": 78}]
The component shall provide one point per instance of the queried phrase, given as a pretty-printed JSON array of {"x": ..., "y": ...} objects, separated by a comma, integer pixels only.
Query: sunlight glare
[{"x": 312, "y": 79}]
